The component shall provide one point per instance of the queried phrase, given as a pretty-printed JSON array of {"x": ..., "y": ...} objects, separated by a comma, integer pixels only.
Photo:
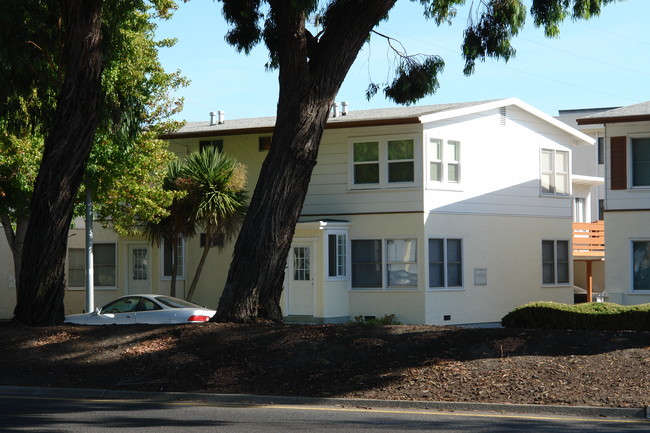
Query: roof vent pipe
[
  {"x": 335, "y": 110},
  {"x": 213, "y": 118},
  {"x": 344, "y": 111},
  {"x": 222, "y": 120}
]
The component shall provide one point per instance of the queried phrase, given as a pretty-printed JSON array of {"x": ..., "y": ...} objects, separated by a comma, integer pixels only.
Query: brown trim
[
  {"x": 329, "y": 215},
  {"x": 270, "y": 129},
  {"x": 626, "y": 210},
  {"x": 618, "y": 160},
  {"x": 618, "y": 119},
  {"x": 217, "y": 133}
]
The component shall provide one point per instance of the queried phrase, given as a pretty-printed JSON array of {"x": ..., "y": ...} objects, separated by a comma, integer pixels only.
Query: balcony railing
[{"x": 589, "y": 240}]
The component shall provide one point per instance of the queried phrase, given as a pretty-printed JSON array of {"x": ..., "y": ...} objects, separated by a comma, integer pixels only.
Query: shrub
[
  {"x": 387, "y": 319},
  {"x": 593, "y": 315}
]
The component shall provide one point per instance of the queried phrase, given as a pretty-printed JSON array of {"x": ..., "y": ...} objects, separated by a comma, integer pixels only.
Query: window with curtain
[
  {"x": 640, "y": 161},
  {"x": 555, "y": 172}
]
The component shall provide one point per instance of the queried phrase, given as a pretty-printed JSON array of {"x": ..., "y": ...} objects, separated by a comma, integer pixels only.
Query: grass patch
[{"x": 592, "y": 315}]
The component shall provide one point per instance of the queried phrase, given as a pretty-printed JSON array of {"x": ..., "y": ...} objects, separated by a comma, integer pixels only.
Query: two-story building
[
  {"x": 627, "y": 201},
  {"x": 441, "y": 214},
  {"x": 452, "y": 213}
]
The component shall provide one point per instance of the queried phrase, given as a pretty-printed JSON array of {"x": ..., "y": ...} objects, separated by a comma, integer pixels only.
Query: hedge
[{"x": 592, "y": 315}]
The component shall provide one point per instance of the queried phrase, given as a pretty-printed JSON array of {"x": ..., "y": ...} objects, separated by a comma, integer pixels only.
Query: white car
[{"x": 150, "y": 309}]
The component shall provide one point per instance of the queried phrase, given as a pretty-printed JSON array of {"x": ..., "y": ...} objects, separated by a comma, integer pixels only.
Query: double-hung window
[
  {"x": 104, "y": 266},
  {"x": 337, "y": 245},
  {"x": 180, "y": 259},
  {"x": 555, "y": 172},
  {"x": 383, "y": 163},
  {"x": 555, "y": 262},
  {"x": 444, "y": 161},
  {"x": 388, "y": 263},
  {"x": 640, "y": 148},
  {"x": 640, "y": 266},
  {"x": 445, "y": 263}
]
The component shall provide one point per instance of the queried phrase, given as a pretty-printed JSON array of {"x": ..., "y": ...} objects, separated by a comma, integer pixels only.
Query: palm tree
[
  {"x": 215, "y": 183},
  {"x": 178, "y": 223}
]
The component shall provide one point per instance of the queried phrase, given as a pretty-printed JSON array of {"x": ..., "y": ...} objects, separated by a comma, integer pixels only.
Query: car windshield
[{"x": 175, "y": 302}]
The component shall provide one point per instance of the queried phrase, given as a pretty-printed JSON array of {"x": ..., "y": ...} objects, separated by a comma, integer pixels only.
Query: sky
[{"x": 602, "y": 62}]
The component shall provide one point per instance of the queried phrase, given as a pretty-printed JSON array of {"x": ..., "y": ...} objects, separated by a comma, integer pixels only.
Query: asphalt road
[{"x": 49, "y": 415}]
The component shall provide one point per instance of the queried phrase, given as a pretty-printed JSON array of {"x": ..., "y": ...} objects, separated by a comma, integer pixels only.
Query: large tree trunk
[
  {"x": 41, "y": 281},
  {"x": 310, "y": 76}
]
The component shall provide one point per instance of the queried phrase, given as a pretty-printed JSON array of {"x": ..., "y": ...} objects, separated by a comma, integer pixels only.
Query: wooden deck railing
[{"x": 589, "y": 239}]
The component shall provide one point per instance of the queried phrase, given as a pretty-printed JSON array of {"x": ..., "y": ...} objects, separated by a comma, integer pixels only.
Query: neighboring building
[
  {"x": 442, "y": 214},
  {"x": 588, "y": 168},
  {"x": 627, "y": 201}
]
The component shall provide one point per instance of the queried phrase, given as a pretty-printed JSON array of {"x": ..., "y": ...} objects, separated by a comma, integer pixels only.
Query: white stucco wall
[
  {"x": 510, "y": 249},
  {"x": 621, "y": 228}
]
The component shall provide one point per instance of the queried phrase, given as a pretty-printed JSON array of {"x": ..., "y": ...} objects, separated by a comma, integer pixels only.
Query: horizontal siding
[
  {"x": 637, "y": 198},
  {"x": 500, "y": 166}
]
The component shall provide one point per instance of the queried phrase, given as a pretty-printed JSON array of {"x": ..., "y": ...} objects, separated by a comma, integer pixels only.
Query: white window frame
[
  {"x": 383, "y": 162},
  {"x": 183, "y": 262},
  {"x": 554, "y": 174},
  {"x": 555, "y": 282},
  {"x": 444, "y": 158},
  {"x": 630, "y": 160},
  {"x": 445, "y": 263},
  {"x": 342, "y": 264},
  {"x": 632, "y": 265},
  {"x": 82, "y": 267},
  {"x": 384, "y": 266},
  {"x": 96, "y": 286}
]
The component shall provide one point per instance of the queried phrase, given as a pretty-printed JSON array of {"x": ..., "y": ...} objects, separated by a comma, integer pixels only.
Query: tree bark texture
[
  {"x": 42, "y": 277},
  {"x": 310, "y": 76}
]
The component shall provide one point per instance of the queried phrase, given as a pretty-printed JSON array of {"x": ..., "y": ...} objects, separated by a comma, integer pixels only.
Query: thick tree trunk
[
  {"x": 311, "y": 74},
  {"x": 41, "y": 281}
]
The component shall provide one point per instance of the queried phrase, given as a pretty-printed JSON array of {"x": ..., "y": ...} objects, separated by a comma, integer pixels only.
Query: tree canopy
[{"x": 68, "y": 69}]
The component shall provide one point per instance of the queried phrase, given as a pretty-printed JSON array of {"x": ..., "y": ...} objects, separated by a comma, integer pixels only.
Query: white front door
[
  {"x": 139, "y": 268},
  {"x": 301, "y": 280}
]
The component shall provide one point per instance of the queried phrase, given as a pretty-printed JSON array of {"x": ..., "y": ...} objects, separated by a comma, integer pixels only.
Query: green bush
[{"x": 593, "y": 315}]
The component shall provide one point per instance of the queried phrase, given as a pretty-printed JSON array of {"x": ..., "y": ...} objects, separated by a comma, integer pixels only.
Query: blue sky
[{"x": 603, "y": 62}]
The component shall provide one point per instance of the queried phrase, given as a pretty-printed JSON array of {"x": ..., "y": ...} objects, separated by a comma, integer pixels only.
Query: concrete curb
[{"x": 243, "y": 399}]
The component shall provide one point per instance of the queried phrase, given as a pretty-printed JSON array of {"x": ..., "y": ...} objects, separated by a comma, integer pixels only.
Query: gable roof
[
  {"x": 375, "y": 117},
  {"x": 630, "y": 113}
]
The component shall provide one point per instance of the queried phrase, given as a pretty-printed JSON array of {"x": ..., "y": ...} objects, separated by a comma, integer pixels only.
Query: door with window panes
[
  {"x": 139, "y": 268},
  {"x": 301, "y": 280}
]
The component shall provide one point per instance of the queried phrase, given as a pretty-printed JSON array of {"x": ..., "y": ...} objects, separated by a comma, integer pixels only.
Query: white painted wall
[
  {"x": 510, "y": 248},
  {"x": 500, "y": 166},
  {"x": 621, "y": 228}
]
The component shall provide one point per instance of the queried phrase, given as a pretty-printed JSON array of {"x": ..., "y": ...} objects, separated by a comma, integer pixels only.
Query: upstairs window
[
  {"x": 444, "y": 161},
  {"x": 555, "y": 172},
  {"x": 640, "y": 161},
  {"x": 383, "y": 163}
]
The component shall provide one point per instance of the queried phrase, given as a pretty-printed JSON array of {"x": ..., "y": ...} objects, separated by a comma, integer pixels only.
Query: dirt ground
[{"x": 379, "y": 362}]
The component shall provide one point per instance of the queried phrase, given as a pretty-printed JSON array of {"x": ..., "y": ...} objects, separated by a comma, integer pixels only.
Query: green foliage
[
  {"x": 593, "y": 315},
  {"x": 490, "y": 29},
  {"x": 19, "y": 159},
  {"x": 126, "y": 164},
  {"x": 386, "y": 319}
]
